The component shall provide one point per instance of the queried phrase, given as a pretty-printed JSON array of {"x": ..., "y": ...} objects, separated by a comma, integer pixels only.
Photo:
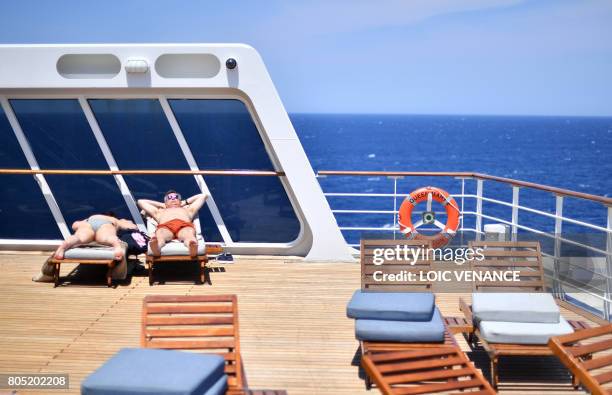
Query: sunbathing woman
[{"x": 101, "y": 228}]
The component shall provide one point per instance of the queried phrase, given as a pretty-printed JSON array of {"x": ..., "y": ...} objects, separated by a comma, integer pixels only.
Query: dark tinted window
[
  {"x": 24, "y": 213},
  {"x": 140, "y": 137},
  {"x": 222, "y": 135},
  {"x": 61, "y": 138}
]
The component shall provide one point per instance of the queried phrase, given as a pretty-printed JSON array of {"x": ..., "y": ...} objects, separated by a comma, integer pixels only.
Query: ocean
[{"x": 568, "y": 152}]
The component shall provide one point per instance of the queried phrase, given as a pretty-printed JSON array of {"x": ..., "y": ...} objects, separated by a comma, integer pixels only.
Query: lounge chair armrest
[{"x": 466, "y": 309}]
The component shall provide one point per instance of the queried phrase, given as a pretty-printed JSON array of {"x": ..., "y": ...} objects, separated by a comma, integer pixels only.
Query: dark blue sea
[{"x": 568, "y": 152}]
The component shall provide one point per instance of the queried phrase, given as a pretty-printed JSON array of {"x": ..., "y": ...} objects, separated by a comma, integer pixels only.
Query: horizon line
[{"x": 450, "y": 114}]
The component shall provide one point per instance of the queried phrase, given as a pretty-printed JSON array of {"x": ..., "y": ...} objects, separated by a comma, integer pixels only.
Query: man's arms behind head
[
  {"x": 195, "y": 203},
  {"x": 150, "y": 207}
]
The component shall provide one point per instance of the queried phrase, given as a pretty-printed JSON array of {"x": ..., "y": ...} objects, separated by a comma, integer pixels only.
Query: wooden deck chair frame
[
  {"x": 374, "y": 348},
  {"x": 202, "y": 260},
  {"x": 57, "y": 263},
  {"x": 452, "y": 324},
  {"x": 584, "y": 352},
  {"x": 206, "y": 323},
  {"x": 425, "y": 371},
  {"x": 505, "y": 255}
]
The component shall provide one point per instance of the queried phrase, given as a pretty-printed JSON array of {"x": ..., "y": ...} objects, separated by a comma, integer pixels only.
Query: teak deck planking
[{"x": 294, "y": 332}]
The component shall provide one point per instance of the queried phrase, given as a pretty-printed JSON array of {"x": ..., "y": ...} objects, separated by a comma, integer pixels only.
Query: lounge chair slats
[
  {"x": 580, "y": 351},
  {"x": 498, "y": 263},
  {"x": 192, "y": 344},
  {"x": 504, "y": 284},
  {"x": 505, "y": 244},
  {"x": 421, "y": 364},
  {"x": 584, "y": 334},
  {"x": 189, "y": 332},
  {"x": 368, "y": 267},
  {"x": 596, "y": 363},
  {"x": 458, "y": 325},
  {"x": 167, "y": 321},
  {"x": 188, "y": 309},
  {"x": 371, "y": 346},
  {"x": 483, "y": 392},
  {"x": 398, "y": 285},
  {"x": 593, "y": 369},
  {"x": 416, "y": 353},
  {"x": 512, "y": 254},
  {"x": 189, "y": 298},
  {"x": 603, "y": 378},
  {"x": 433, "y": 388},
  {"x": 432, "y": 375},
  {"x": 207, "y": 323},
  {"x": 425, "y": 372}
]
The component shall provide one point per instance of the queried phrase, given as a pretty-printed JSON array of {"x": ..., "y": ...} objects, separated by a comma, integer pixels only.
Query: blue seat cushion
[
  {"x": 151, "y": 371},
  {"x": 522, "y": 332},
  {"x": 401, "y": 331},
  {"x": 393, "y": 306},
  {"x": 539, "y": 307}
]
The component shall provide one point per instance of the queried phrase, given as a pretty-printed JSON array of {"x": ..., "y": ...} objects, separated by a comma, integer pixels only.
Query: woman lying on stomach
[{"x": 101, "y": 228}]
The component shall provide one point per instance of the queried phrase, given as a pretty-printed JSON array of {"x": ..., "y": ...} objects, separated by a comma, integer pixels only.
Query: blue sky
[{"x": 551, "y": 57}]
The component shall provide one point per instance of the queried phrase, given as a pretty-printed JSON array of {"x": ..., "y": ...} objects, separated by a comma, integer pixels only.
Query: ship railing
[{"x": 598, "y": 300}]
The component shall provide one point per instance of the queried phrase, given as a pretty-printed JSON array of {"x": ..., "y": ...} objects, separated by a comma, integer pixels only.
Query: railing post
[
  {"x": 556, "y": 285},
  {"x": 395, "y": 215},
  {"x": 608, "y": 265},
  {"x": 479, "y": 186},
  {"x": 462, "y": 208},
  {"x": 515, "y": 211},
  {"x": 395, "y": 224}
]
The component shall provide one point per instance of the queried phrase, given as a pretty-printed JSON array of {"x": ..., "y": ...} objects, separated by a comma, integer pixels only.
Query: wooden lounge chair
[
  {"x": 370, "y": 349},
  {"x": 89, "y": 254},
  {"x": 207, "y": 323},
  {"x": 526, "y": 258},
  {"x": 452, "y": 324},
  {"x": 590, "y": 361},
  {"x": 368, "y": 282},
  {"x": 425, "y": 371},
  {"x": 373, "y": 348},
  {"x": 175, "y": 251},
  {"x": 368, "y": 268}
]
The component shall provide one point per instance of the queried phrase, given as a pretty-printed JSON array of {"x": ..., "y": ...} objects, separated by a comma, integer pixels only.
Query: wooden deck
[{"x": 293, "y": 327}]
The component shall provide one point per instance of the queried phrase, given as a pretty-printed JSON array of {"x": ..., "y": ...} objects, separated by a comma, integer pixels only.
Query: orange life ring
[{"x": 424, "y": 194}]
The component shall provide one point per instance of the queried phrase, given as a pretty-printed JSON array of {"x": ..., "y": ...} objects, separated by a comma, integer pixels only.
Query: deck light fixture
[{"x": 136, "y": 66}]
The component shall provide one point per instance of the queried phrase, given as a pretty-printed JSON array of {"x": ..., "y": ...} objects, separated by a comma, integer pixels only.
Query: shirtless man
[
  {"x": 101, "y": 228},
  {"x": 174, "y": 218}
]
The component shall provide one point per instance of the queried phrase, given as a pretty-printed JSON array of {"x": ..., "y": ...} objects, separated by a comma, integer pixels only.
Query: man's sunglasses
[{"x": 172, "y": 196}]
